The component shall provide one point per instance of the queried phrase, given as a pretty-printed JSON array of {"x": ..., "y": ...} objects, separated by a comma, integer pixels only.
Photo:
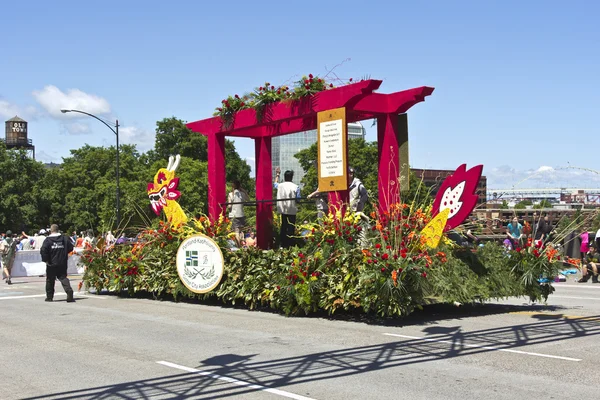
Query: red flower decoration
[{"x": 457, "y": 193}]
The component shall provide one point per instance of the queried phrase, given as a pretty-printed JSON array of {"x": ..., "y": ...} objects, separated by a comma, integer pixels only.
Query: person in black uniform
[{"x": 55, "y": 253}]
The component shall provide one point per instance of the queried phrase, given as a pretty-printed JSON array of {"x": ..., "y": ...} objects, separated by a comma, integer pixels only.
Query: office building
[{"x": 284, "y": 148}]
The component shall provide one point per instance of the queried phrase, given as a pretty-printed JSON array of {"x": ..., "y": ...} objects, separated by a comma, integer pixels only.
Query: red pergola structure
[{"x": 285, "y": 118}]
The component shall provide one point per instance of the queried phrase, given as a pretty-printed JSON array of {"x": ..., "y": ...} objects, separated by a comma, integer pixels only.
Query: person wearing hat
[
  {"x": 39, "y": 238},
  {"x": 7, "y": 250},
  {"x": 55, "y": 253}
]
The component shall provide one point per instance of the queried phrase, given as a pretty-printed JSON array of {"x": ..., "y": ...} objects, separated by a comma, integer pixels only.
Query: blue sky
[{"x": 517, "y": 82}]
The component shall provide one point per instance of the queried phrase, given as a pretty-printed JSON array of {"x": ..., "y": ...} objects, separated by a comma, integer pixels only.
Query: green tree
[
  {"x": 89, "y": 180},
  {"x": 81, "y": 192},
  {"x": 362, "y": 157},
  {"x": 50, "y": 199},
  {"x": 173, "y": 137},
  {"x": 543, "y": 204},
  {"x": 18, "y": 203},
  {"x": 523, "y": 204},
  {"x": 504, "y": 205}
]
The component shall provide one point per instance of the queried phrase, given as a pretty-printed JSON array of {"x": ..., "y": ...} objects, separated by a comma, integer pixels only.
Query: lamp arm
[{"x": 93, "y": 116}]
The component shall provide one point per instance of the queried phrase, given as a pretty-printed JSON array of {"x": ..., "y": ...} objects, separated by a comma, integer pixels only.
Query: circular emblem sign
[{"x": 200, "y": 263}]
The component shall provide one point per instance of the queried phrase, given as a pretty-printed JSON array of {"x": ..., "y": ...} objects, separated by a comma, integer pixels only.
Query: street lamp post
[{"x": 116, "y": 132}]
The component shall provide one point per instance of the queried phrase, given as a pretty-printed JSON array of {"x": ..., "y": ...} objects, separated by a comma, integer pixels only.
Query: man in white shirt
[
  {"x": 287, "y": 208},
  {"x": 358, "y": 193}
]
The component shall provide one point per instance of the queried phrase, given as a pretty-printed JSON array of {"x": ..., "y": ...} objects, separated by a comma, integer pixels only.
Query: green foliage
[
  {"x": 543, "y": 204},
  {"x": 362, "y": 156},
  {"x": 80, "y": 194},
  {"x": 268, "y": 94},
  {"x": 173, "y": 137},
  {"x": 523, "y": 204},
  {"x": 595, "y": 224},
  {"x": 308, "y": 86},
  {"x": 87, "y": 181},
  {"x": 504, "y": 205},
  {"x": 21, "y": 189},
  {"x": 230, "y": 106},
  {"x": 381, "y": 267}
]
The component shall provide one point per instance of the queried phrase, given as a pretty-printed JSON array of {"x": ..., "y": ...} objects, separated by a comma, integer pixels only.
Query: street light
[{"x": 116, "y": 132}]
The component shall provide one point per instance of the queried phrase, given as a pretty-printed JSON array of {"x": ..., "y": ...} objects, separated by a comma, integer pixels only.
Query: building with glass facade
[{"x": 284, "y": 148}]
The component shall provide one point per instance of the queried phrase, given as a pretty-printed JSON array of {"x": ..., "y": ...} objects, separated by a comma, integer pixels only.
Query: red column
[
  {"x": 264, "y": 191},
  {"x": 216, "y": 175},
  {"x": 337, "y": 200},
  {"x": 389, "y": 166}
]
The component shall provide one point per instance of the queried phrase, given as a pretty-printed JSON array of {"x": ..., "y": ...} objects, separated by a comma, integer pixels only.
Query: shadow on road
[{"x": 210, "y": 383}]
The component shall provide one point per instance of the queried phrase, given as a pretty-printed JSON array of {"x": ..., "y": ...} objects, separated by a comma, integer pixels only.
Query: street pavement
[{"x": 105, "y": 347}]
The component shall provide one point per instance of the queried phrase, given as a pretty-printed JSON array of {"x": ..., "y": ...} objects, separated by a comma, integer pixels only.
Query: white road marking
[
  {"x": 278, "y": 392},
  {"x": 573, "y": 297},
  {"x": 580, "y": 286},
  {"x": 91, "y": 295},
  {"x": 22, "y": 297},
  {"x": 28, "y": 296},
  {"x": 486, "y": 347}
]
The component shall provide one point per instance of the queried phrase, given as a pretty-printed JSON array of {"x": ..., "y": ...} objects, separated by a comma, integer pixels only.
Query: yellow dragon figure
[{"x": 163, "y": 193}]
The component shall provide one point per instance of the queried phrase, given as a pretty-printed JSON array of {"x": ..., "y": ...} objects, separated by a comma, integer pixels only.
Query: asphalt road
[{"x": 105, "y": 347}]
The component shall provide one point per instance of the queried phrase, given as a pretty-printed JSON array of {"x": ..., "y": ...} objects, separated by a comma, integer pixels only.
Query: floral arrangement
[
  {"x": 148, "y": 264},
  {"x": 378, "y": 265},
  {"x": 231, "y": 105},
  {"x": 267, "y": 94}
]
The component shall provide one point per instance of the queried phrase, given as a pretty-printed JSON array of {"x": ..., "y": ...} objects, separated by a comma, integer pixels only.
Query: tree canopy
[
  {"x": 80, "y": 193},
  {"x": 362, "y": 156}
]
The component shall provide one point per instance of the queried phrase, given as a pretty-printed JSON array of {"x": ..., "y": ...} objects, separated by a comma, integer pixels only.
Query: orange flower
[
  {"x": 550, "y": 253},
  {"x": 395, "y": 277},
  {"x": 573, "y": 261}
]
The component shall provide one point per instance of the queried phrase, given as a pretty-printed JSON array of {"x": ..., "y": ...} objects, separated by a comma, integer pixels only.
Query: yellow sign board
[{"x": 332, "y": 141}]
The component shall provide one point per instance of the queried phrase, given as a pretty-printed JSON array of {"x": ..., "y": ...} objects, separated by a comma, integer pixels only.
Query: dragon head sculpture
[{"x": 163, "y": 193}]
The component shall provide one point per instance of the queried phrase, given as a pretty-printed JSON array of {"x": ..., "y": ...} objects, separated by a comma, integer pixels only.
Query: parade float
[{"x": 387, "y": 264}]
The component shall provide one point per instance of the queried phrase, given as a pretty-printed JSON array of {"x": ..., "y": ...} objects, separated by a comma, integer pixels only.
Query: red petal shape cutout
[{"x": 468, "y": 198}]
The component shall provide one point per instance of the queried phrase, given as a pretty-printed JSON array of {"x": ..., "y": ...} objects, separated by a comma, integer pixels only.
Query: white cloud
[
  {"x": 76, "y": 128},
  {"x": 52, "y": 99},
  {"x": 47, "y": 158},
  {"x": 544, "y": 168},
  {"x": 8, "y": 110},
  {"x": 506, "y": 177},
  {"x": 144, "y": 140}
]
